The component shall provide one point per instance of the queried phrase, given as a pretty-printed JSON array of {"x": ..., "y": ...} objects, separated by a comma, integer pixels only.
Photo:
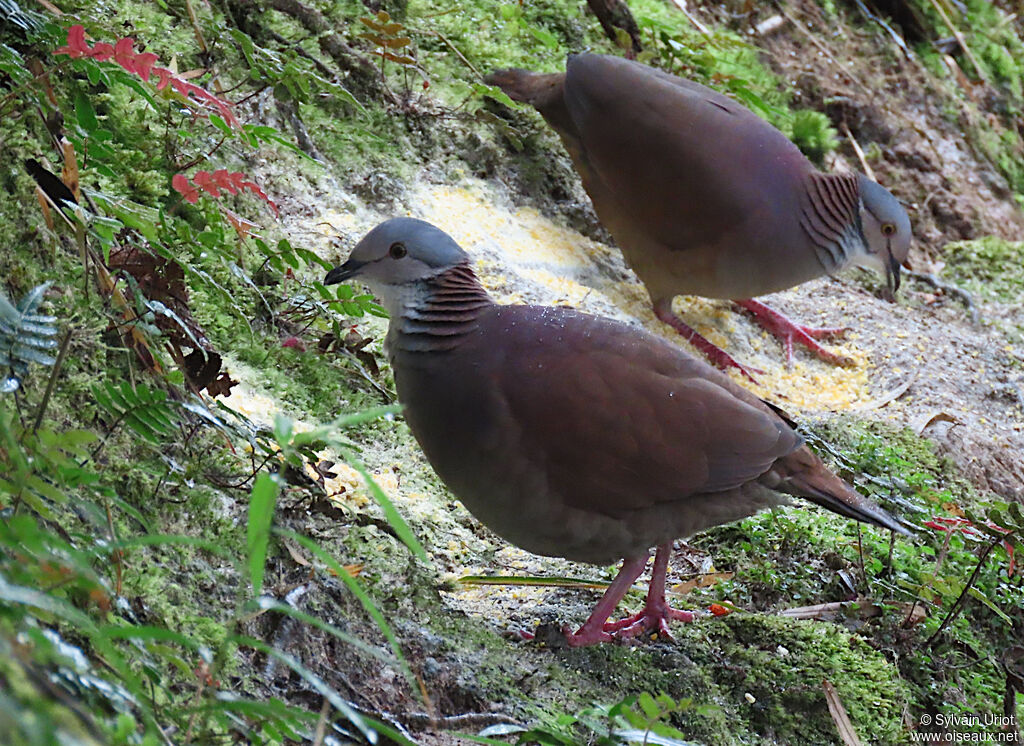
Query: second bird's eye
[
  {"x": 888, "y": 229},
  {"x": 397, "y": 250}
]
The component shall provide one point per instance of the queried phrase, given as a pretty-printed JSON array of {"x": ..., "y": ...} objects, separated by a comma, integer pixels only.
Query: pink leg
[
  {"x": 592, "y": 630},
  {"x": 715, "y": 354},
  {"x": 654, "y": 617},
  {"x": 656, "y": 613},
  {"x": 790, "y": 332}
]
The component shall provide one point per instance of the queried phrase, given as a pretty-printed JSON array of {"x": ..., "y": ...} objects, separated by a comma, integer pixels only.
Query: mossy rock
[
  {"x": 782, "y": 663},
  {"x": 990, "y": 267},
  {"x": 748, "y": 679}
]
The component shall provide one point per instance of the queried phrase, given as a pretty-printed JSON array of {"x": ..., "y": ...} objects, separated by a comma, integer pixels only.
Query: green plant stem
[
  {"x": 50, "y": 384},
  {"x": 958, "y": 604}
]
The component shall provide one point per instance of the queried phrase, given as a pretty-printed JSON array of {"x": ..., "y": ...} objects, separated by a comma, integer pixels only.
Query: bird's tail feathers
[
  {"x": 805, "y": 475},
  {"x": 528, "y": 87}
]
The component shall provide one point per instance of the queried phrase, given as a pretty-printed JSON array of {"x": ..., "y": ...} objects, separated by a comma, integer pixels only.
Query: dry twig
[{"x": 938, "y": 284}]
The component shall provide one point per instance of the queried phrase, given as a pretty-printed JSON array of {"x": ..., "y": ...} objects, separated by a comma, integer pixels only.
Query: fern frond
[
  {"x": 24, "y": 334},
  {"x": 142, "y": 409}
]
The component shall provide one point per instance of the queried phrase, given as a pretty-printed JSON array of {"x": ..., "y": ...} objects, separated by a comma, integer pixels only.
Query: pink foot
[
  {"x": 651, "y": 619},
  {"x": 654, "y": 618},
  {"x": 715, "y": 354},
  {"x": 790, "y": 332},
  {"x": 519, "y": 633}
]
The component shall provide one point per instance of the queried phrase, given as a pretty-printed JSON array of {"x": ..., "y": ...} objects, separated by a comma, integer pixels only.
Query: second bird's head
[
  {"x": 396, "y": 255},
  {"x": 886, "y": 230}
]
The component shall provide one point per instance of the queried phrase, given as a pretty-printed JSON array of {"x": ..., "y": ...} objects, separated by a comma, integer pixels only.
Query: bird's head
[
  {"x": 886, "y": 230},
  {"x": 397, "y": 254}
]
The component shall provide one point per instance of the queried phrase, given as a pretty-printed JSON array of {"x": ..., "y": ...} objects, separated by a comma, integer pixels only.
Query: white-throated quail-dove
[
  {"x": 572, "y": 435},
  {"x": 705, "y": 198}
]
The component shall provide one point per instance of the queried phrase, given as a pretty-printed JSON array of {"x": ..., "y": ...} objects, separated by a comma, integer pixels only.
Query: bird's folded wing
[
  {"x": 619, "y": 420},
  {"x": 674, "y": 156}
]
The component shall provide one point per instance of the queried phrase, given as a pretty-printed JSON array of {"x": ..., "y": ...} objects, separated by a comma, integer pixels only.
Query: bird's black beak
[
  {"x": 343, "y": 272},
  {"x": 892, "y": 275}
]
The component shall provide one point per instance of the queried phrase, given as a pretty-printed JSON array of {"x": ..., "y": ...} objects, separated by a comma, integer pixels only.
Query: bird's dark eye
[
  {"x": 888, "y": 229},
  {"x": 397, "y": 250}
]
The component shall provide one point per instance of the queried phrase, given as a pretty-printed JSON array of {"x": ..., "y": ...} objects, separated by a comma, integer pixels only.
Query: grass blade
[
  {"x": 261, "y": 515},
  {"x": 391, "y": 513},
  {"x": 314, "y": 681}
]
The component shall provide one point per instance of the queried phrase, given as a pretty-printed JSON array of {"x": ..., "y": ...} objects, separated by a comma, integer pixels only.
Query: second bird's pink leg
[
  {"x": 593, "y": 630},
  {"x": 789, "y": 332},
  {"x": 715, "y": 354}
]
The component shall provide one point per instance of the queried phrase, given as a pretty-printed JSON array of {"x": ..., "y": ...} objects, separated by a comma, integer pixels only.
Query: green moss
[
  {"x": 536, "y": 36},
  {"x": 182, "y": 591},
  {"x": 306, "y": 384},
  {"x": 829, "y": 6},
  {"x": 813, "y": 133},
  {"x": 1000, "y": 54},
  {"x": 782, "y": 664},
  {"x": 713, "y": 667},
  {"x": 992, "y": 40},
  {"x": 990, "y": 267}
]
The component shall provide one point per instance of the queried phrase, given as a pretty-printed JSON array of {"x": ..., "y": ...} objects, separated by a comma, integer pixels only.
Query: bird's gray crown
[
  {"x": 399, "y": 252},
  {"x": 423, "y": 242},
  {"x": 886, "y": 230},
  {"x": 410, "y": 264}
]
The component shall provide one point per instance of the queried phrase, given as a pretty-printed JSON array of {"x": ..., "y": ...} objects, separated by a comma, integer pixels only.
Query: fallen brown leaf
[{"x": 701, "y": 581}]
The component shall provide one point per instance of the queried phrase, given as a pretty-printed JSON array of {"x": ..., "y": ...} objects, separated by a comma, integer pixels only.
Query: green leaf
[
  {"x": 283, "y": 429},
  {"x": 317, "y": 684},
  {"x": 247, "y": 45},
  {"x": 648, "y": 705},
  {"x": 45, "y": 602},
  {"x": 552, "y": 581},
  {"x": 220, "y": 124},
  {"x": 492, "y": 91},
  {"x": 92, "y": 71},
  {"x": 482, "y": 736},
  {"x": 261, "y": 516},
  {"x": 24, "y": 332},
  {"x": 146, "y": 633},
  {"x": 369, "y": 415},
  {"x": 394, "y": 518},
  {"x": 648, "y": 737},
  {"x": 975, "y": 593},
  {"x": 85, "y": 114},
  {"x": 46, "y": 489},
  {"x": 544, "y": 36},
  {"x": 270, "y": 604},
  {"x": 272, "y": 708}
]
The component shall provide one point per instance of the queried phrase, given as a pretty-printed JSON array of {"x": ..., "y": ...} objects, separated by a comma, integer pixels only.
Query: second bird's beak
[
  {"x": 343, "y": 272},
  {"x": 892, "y": 275}
]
